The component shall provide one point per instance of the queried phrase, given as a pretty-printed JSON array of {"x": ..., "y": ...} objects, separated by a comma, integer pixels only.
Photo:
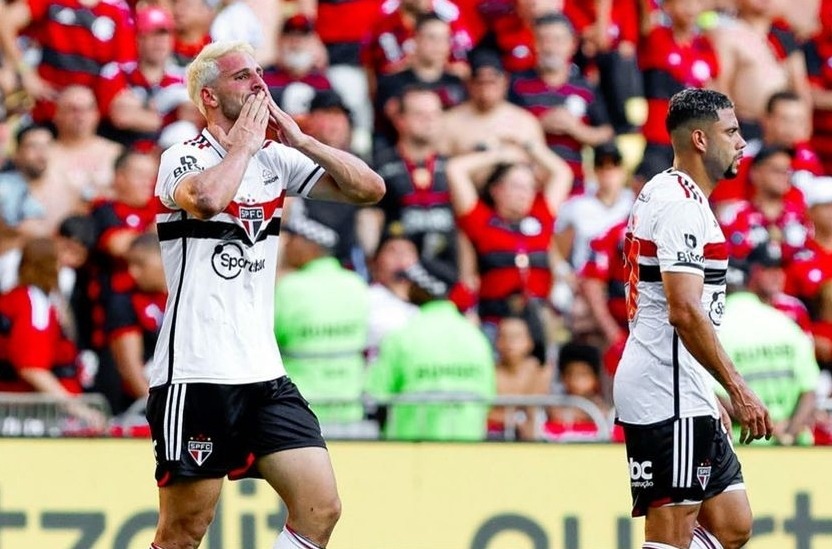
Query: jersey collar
[{"x": 214, "y": 143}]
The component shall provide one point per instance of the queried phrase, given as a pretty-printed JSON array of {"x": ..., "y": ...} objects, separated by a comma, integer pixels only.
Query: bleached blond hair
[{"x": 204, "y": 69}]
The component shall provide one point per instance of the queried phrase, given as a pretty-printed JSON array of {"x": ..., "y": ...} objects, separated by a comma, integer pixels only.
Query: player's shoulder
[{"x": 672, "y": 186}]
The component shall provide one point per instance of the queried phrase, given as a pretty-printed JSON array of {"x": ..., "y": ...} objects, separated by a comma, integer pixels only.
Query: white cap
[{"x": 819, "y": 191}]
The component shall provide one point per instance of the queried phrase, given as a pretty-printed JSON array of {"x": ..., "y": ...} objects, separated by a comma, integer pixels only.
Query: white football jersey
[
  {"x": 219, "y": 318},
  {"x": 671, "y": 229}
]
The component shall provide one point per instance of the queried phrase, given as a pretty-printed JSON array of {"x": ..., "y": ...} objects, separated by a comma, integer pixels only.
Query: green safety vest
[
  {"x": 774, "y": 356},
  {"x": 438, "y": 352},
  {"x": 321, "y": 319}
]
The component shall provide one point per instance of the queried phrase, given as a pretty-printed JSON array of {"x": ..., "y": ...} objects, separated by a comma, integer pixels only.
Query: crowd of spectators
[{"x": 513, "y": 137}]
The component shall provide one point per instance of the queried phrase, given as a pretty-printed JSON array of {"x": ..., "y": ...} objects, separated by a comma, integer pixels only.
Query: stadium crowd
[{"x": 513, "y": 137}]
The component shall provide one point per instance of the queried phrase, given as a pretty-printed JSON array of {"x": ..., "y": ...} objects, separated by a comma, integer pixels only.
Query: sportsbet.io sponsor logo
[{"x": 228, "y": 261}]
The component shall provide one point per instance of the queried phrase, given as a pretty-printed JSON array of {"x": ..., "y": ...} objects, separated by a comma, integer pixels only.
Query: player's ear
[
  {"x": 699, "y": 140},
  {"x": 209, "y": 99}
]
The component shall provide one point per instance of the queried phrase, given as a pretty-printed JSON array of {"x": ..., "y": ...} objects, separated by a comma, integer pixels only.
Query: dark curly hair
[{"x": 695, "y": 104}]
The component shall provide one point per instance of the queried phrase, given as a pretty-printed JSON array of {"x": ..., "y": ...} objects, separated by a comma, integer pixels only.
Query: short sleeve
[
  {"x": 31, "y": 338},
  {"x": 566, "y": 216},
  {"x": 680, "y": 234},
  {"x": 299, "y": 172},
  {"x": 120, "y": 314},
  {"x": 178, "y": 162}
]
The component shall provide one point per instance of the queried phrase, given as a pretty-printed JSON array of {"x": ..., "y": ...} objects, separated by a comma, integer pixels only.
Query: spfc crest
[
  {"x": 200, "y": 450},
  {"x": 252, "y": 218},
  {"x": 703, "y": 475}
]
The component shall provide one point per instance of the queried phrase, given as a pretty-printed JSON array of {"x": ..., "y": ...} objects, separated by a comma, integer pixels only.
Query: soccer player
[
  {"x": 684, "y": 475},
  {"x": 220, "y": 403}
]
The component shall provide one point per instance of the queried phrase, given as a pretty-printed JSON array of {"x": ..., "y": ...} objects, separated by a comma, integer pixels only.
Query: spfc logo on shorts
[
  {"x": 200, "y": 450},
  {"x": 703, "y": 475}
]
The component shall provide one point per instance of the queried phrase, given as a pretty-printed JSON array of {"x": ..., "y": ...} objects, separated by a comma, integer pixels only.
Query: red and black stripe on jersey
[
  {"x": 651, "y": 272},
  {"x": 532, "y": 93},
  {"x": 77, "y": 41}
]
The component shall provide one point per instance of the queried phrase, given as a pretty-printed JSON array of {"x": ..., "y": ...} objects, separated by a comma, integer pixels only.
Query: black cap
[
  {"x": 485, "y": 59},
  {"x": 607, "y": 151},
  {"x": 768, "y": 254},
  {"x": 300, "y": 222},
  {"x": 328, "y": 99}
]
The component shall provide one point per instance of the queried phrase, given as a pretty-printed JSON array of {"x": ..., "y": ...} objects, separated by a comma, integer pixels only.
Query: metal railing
[{"x": 40, "y": 415}]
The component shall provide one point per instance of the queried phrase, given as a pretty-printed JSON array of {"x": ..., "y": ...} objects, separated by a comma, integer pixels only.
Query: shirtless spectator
[
  {"x": 785, "y": 124},
  {"x": 570, "y": 109},
  {"x": 819, "y": 65},
  {"x": 519, "y": 373},
  {"x": 757, "y": 58},
  {"x": 81, "y": 160},
  {"x": 294, "y": 79},
  {"x": 432, "y": 45},
  {"x": 192, "y": 28},
  {"x": 487, "y": 118},
  {"x": 76, "y": 39}
]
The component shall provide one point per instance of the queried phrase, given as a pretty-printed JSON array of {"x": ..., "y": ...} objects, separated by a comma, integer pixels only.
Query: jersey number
[{"x": 632, "y": 247}]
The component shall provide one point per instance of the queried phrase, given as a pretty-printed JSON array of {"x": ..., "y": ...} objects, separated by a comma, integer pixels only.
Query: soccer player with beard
[
  {"x": 684, "y": 475},
  {"x": 220, "y": 403}
]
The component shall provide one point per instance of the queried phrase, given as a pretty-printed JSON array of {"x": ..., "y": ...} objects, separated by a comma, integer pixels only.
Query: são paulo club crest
[
  {"x": 252, "y": 218},
  {"x": 200, "y": 448}
]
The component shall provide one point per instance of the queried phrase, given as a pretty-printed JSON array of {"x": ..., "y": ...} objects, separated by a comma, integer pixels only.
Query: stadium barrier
[
  {"x": 37, "y": 415},
  {"x": 100, "y": 494}
]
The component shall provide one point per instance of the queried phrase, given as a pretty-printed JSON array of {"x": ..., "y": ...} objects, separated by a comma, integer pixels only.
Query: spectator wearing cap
[
  {"x": 437, "y": 354},
  {"x": 570, "y": 109},
  {"x": 330, "y": 122},
  {"x": 192, "y": 20},
  {"x": 812, "y": 266},
  {"x": 671, "y": 57},
  {"x": 605, "y": 203},
  {"x": 417, "y": 201},
  {"x": 390, "y": 44},
  {"x": 390, "y": 306},
  {"x": 294, "y": 79},
  {"x": 775, "y": 357},
  {"x": 427, "y": 68},
  {"x": 321, "y": 319},
  {"x": 487, "y": 118},
  {"x": 786, "y": 125},
  {"x": 74, "y": 47},
  {"x": 145, "y": 94},
  {"x": 769, "y": 216}
]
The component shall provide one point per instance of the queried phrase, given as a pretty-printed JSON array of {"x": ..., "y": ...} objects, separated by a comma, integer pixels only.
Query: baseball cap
[
  {"x": 328, "y": 99},
  {"x": 299, "y": 222},
  {"x": 767, "y": 152},
  {"x": 153, "y": 18},
  {"x": 607, "y": 151},
  {"x": 767, "y": 254},
  {"x": 818, "y": 191},
  {"x": 298, "y": 23}
]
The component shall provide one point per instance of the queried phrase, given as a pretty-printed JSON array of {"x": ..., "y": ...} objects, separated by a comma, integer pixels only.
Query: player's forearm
[
  {"x": 700, "y": 339},
  {"x": 209, "y": 192},
  {"x": 356, "y": 180}
]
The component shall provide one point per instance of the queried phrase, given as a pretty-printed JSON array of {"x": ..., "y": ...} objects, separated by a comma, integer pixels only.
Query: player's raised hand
[
  {"x": 753, "y": 416},
  {"x": 249, "y": 131},
  {"x": 288, "y": 131}
]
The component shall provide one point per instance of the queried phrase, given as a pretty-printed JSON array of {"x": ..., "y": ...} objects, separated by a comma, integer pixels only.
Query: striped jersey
[
  {"x": 671, "y": 229},
  {"x": 219, "y": 318}
]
